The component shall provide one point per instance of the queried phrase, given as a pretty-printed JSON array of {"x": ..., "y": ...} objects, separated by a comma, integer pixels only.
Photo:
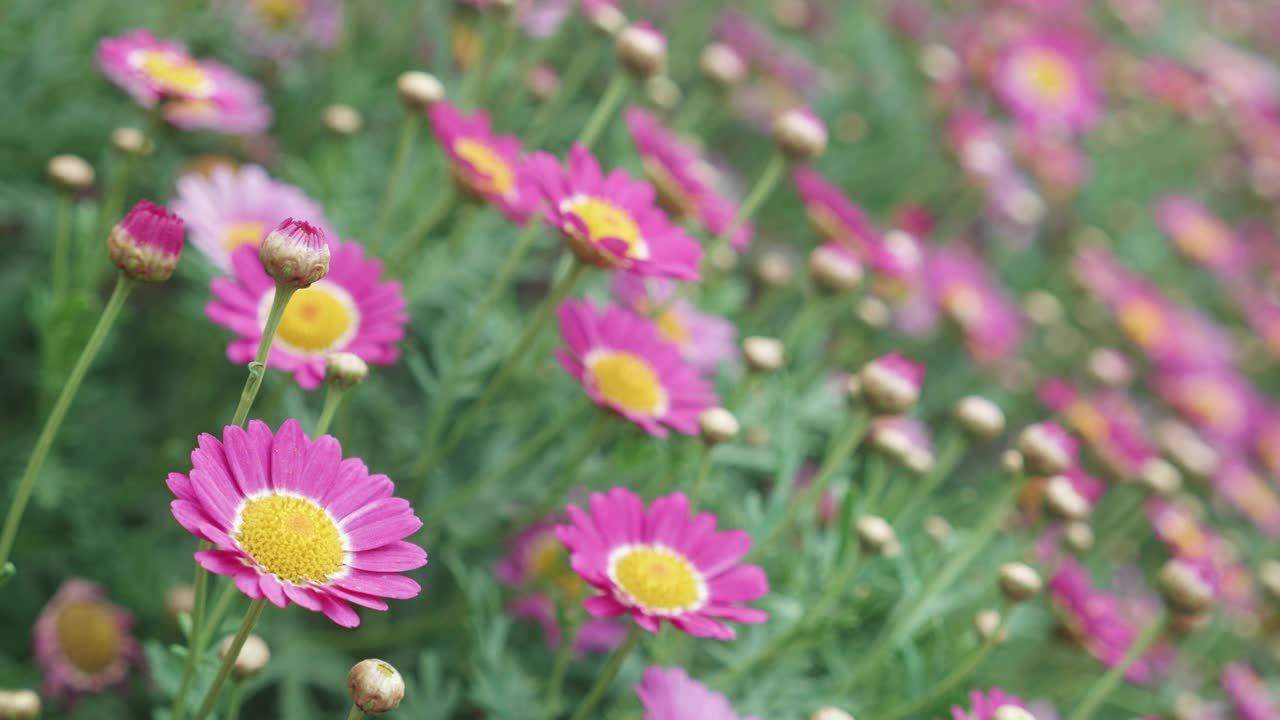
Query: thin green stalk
[
  {"x": 704, "y": 469},
  {"x": 332, "y": 399},
  {"x": 574, "y": 76},
  {"x": 962, "y": 670},
  {"x": 111, "y": 205},
  {"x": 591, "y": 440},
  {"x": 476, "y": 74},
  {"x": 501, "y": 281},
  {"x": 53, "y": 423},
  {"x": 229, "y": 593},
  {"x": 198, "y": 637},
  {"x": 877, "y": 472},
  {"x": 614, "y": 94},
  {"x": 259, "y": 365},
  {"x": 953, "y": 447},
  {"x": 61, "y": 248},
  {"x": 356, "y": 713},
  {"x": 607, "y": 677},
  {"x": 555, "y": 684},
  {"x": 760, "y": 192},
  {"x": 408, "y": 133},
  {"x": 413, "y": 239},
  {"x": 696, "y": 108},
  {"x": 1105, "y": 685},
  {"x": 462, "y": 228},
  {"x": 234, "y": 696},
  {"x": 229, "y": 658}
]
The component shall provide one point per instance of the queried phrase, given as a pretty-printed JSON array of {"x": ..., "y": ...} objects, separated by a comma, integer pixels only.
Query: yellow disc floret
[
  {"x": 659, "y": 580},
  {"x": 317, "y": 320},
  {"x": 628, "y": 382},
  {"x": 88, "y": 636},
  {"x": 489, "y": 172},
  {"x": 244, "y": 233},
  {"x": 603, "y": 220},
  {"x": 291, "y": 537},
  {"x": 174, "y": 73}
]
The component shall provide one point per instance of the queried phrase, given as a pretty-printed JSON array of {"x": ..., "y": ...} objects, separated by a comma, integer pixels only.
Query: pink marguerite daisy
[
  {"x": 485, "y": 165},
  {"x": 1046, "y": 81},
  {"x": 1101, "y": 622},
  {"x": 625, "y": 365},
  {"x": 670, "y": 694},
  {"x": 835, "y": 216},
  {"x": 983, "y": 705},
  {"x": 661, "y": 563},
  {"x": 1248, "y": 695},
  {"x": 611, "y": 220},
  {"x": 230, "y": 208},
  {"x": 1198, "y": 234},
  {"x": 83, "y": 643},
  {"x": 295, "y": 522},
  {"x": 236, "y": 106},
  {"x": 281, "y": 29},
  {"x": 151, "y": 70},
  {"x": 350, "y": 310},
  {"x": 706, "y": 341}
]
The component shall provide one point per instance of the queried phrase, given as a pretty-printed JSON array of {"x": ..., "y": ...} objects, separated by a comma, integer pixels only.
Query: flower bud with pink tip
[
  {"x": 147, "y": 243},
  {"x": 295, "y": 254}
]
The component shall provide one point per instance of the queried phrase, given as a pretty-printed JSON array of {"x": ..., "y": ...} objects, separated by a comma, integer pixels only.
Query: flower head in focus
[
  {"x": 485, "y": 165},
  {"x": 670, "y": 694},
  {"x": 294, "y": 522},
  {"x": 661, "y": 563},
  {"x": 147, "y": 243},
  {"x": 83, "y": 643}
]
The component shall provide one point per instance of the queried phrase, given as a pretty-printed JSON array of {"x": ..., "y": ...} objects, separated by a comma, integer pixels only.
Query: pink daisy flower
[
  {"x": 624, "y": 364},
  {"x": 706, "y": 341},
  {"x": 1249, "y": 494},
  {"x": 1046, "y": 81},
  {"x": 610, "y": 220},
  {"x": 1215, "y": 399},
  {"x": 230, "y": 208},
  {"x": 1248, "y": 696},
  {"x": 670, "y": 694},
  {"x": 1097, "y": 620},
  {"x": 235, "y": 108},
  {"x": 295, "y": 522},
  {"x": 1198, "y": 234},
  {"x": 684, "y": 181},
  {"x": 661, "y": 564},
  {"x": 835, "y": 216},
  {"x": 83, "y": 643},
  {"x": 485, "y": 165},
  {"x": 151, "y": 70},
  {"x": 983, "y": 705},
  {"x": 963, "y": 288},
  {"x": 350, "y": 310},
  {"x": 281, "y": 29}
]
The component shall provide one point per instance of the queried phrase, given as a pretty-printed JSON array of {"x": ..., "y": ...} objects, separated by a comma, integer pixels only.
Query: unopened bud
[
  {"x": 853, "y": 390},
  {"x": 1063, "y": 501},
  {"x": 1011, "y": 462},
  {"x": 876, "y": 535},
  {"x": 830, "y": 713},
  {"x": 642, "y": 50},
  {"x": 891, "y": 384},
  {"x": 1042, "y": 308},
  {"x": 418, "y": 90},
  {"x": 722, "y": 258},
  {"x": 254, "y": 656},
  {"x": 71, "y": 173},
  {"x": 800, "y": 134},
  {"x": 344, "y": 370},
  {"x": 342, "y": 120},
  {"x": 835, "y": 269},
  {"x": 147, "y": 243},
  {"x": 1047, "y": 448},
  {"x": 987, "y": 623},
  {"x": 296, "y": 254},
  {"x": 1184, "y": 589},
  {"x": 978, "y": 417},
  {"x": 722, "y": 65},
  {"x": 717, "y": 425},
  {"x": 1012, "y": 712},
  {"x": 919, "y": 461},
  {"x": 774, "y": 268},
  {"x": 1160, "y": 477},
  {"x": 873, "y": 312},
  {"x": 763, "y": 354},
  {"x": 607, "y": 18},
  {"x": 19, "y": 705},
  {"x": 131, "y": 141},
  {"x": 376, "y": 687},
  {"x": 1109, "y": 367},
  {"x": 1079, "y": 536},
  {"x": 1019, "y": 582},
  {"x": 938, "y": 528}
]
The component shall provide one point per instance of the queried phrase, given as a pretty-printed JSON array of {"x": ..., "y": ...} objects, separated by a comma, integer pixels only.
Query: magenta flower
[
  {"x": 1198, "y": 234},
  {"x": 1248, "y": 696},
  {"x": 1195, "y": 544},
  {"x": 350, "y": 310},
  {"x": 83, "y": 643},
  {"x": 983, "y": 705},
  {"x": 1249, "y": 494},
  {"x": 230, "y": 208},
  {"x": 1097, "y": 620},
  {"x": 1216, "y": 399},
  {"x": 485, "y": 165},
  {"x": 706, "y": 341},
  {"x": 610, "y": 220},
  {"x": 663, "y": 564},
  {"x": 281, "y": 29},
  {"x": 963, "y": 288},
  {"x": 836, "y": 217},
  {"x": 670, "y": 694},
  {"x": 295, "y": 522},
  {"x": 1046, "y": 82},
  {"x": 624, "y": 365},
  {"x": 236, "y": 107}
]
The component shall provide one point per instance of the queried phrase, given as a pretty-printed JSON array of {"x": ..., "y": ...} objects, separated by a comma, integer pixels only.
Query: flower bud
[
  {"x": 1269, "y": 578},
  {"x": 722, "y": 65},
  {"x": 1011, "y": 462},
  {"x": 147, "y": 243},
  {"x": 131, "y": 141},
  {"x": 376, "y": 687},
  {"x": 892, "y": 441},
  {"x": 978, "y": 417},
  {"x": 1012, "y": 712},
  {"x": 717, "y": 425},
  {"x": 71, "y": 173},
  {"x": 1047, "y": 448},
  {"x": 1110, "y": 367},
  {"x": 179, "y": 600},
  {"x": 642, "y": 50},
  {"x": 773, "y": 268},
  {"x": 938, "y": 528},
  {"x": 763, "y": 354},
  {"x": 876, "y": 535},
  {"x": 1079, "y": 536},
  {"x": 830, "y": 713},
  {"x": 663, "y": 92},
  {"x": 800, "y": 134},
  {"x": 344, "y": 370},
  {"x": 723, "y": 258},
  {"x": 919, "y": 461},
  {"x": 607, "y": 18},
  {"x": 835, "y": 269},
  {"x": 1160, "y": 477},
  {"x": 891, "y": 384},
  {"x": 1019, "y": 582},
  {"x": 19, "y": 705},
  {"x": 543, "y": 82},
  {"x": 296, "y": 254},
  {"x": 418, "y": 90},
  {"x": 254, "y": 656},
  {"x": 1042, "y": 308},
  {"x": 873, "y": 312},
  {"x": 1184, "y": 589},
  {"x": 1187, "y": 448},
  {"x": 1063, "y": 501},
  {"x": 342, "y": 120},
  {"x": 987, "y": 623}
]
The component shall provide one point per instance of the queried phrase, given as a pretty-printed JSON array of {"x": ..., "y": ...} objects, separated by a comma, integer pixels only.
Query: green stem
[
  {"x": 110, "y": 207},
  {"x": 699, "y": 481},
  {"x": 501, "y": 282},
  {"x": 478, "y": 72},
  {"x": 229, "y": 658},
  {"x": 763, "y": 188},
  {"x": 332, "y": 399},
  {"x": 877, "y": 472},
  {"x": 462, "y": 228},
  {"x": 233, "y": 700},
  {"x": 555, "y": 684},
  {"x": 413, "y": 239},
  {"x": 356, "y": 713},
  {"x": 1108, "y": 683},
  {"x": 963, "y": 670},
  {"x": 198, "y": 637},
  {"x": 953, "y": 447},
  {"x": 408, "y": 133},
  {"x": 258, "y": 367},
  {"x": 229, "y": 593},
  {"x": 584, "y": 61},
  {"x": 614, "y": 94},
  {"x": 54, "y": 422},
  {"x": 607, "y": 677},
  {"x": 61, "y": 251}
]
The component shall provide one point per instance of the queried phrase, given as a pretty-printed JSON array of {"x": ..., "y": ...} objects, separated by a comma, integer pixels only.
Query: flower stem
[
  {"x": 704, "y": 469},
  {"x": 952, "y": 449},
  {"x": 229, "y": 658},
  {"x": 579, "y": 68},
  {"x": 59, "y": 413},
  {"x": 332, "y": 399},
  {"x": 408, "y": 133},
  {"x": 1107, "y": 683},
  {"x": 356, "y": 713},
  {"x": 555, "y": 685},
  {"x": 259, "y": 365},
  {"x": 413, "y": 239},
  {"x": 61, "y": 251},
  {"x": 614, "y": 94},
  {"x": 610, "y": 673},
  {"x": 233, "y": 700},
  {"x": 225, "y": 598},
  {"x": 760, "y": 192},
  {"x": 501, "y": 282}
]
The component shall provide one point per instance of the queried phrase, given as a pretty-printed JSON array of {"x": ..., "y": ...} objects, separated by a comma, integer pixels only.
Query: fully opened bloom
[
  {"x": 230, "y": 208},
  {"x": 670, "y": 694},
  {"x": 236, "y": 106},
  {"x": 624, "y": 364},
  {"x": 350, "y": 310},
  {"x": 983, "y": 705},
  {"x": 485, "y": 165},
  {"x": 1046, "y": 81},
  {"x": 83, "y": 643},
  {"x": 151, "y": 70},
  {"x": 661, "y": 563},
  {"x": 295, "y": 522},
  {"x": 610, "y": 220},
  {"x": 706, "y": 341}
]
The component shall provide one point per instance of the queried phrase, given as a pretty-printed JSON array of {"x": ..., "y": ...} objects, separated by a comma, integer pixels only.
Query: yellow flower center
[
  {"x": 673, "y": 328},
  {"x": 244, "y": 233},
  {"x": 1186, "y": 536},
  {"x": 1087, "y": 420},
  {"x": 606, "y": 220},
  {"x": 1203, "y": 239},
  {"x": 174, "y": 73},
  {"x": 88, "y": 636},
  {"x": 1213, "y": 404},
  {"x": 1141, "y": 321},
  {"x": 491, "y": 173},
  {"x": 658, "y": 579},
  {"x": 627, "y": 381},
  {"x": 549, "y": 561},
  {"x": 291, "y": 537},
  {"x": 1049, "y": 75},
  {"x": 279, "y": 14},
  {"x": 317, "y": 320}
]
